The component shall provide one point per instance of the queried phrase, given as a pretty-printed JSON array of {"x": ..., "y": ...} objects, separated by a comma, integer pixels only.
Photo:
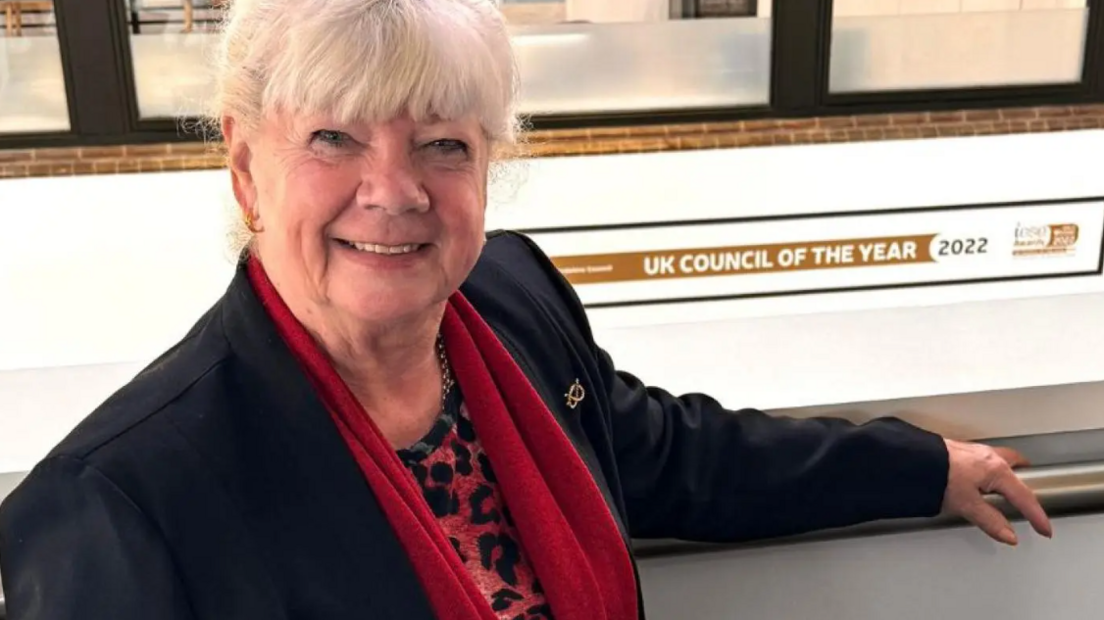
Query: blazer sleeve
[
  {"x": 73, "y": 546},
  {"x": 691, "y": 469}
]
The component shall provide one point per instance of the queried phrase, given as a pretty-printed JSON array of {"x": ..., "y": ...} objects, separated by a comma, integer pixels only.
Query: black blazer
[{"x": 215, "y": 486}]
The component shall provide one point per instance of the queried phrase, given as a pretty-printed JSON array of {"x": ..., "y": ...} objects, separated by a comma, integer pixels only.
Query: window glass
[
  {"x": 32, "y": 84},
  {"x": 575, "y": 56},
  {"x": 885, "y": 45},
  {"x": 585, "y": 56},
  {"x": 170, "y": 44}
]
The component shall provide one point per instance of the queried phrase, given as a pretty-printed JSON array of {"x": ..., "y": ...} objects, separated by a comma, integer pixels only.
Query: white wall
[
  {"x": 98, "y": 274},
  {"x": 950, "y": 575}
]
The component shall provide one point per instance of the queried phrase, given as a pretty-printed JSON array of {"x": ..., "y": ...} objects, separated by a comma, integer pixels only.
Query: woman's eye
[
  {"x": 449, "y": 146},
  {"x": 330, "y": 137}
]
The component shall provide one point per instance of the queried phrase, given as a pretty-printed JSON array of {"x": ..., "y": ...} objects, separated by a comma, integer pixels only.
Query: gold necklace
[{"x": 446, "y": 370}]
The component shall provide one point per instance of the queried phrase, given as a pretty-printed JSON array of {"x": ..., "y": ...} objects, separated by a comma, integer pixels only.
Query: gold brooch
[{"x": 575, "y": 394}]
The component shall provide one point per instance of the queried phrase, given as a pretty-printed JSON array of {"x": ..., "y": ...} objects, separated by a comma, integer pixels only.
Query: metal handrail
[{"x": 1062, "y": 490}]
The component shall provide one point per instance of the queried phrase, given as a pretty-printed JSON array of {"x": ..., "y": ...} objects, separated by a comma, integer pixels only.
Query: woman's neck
[{"x": 394, "y": 371}]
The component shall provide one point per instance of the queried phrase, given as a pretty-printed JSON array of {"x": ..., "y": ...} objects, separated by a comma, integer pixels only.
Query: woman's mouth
[{"x": 379, "y": 248}]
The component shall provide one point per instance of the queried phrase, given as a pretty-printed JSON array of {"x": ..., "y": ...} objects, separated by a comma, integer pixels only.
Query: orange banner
[{"x": 736, "y": 260}]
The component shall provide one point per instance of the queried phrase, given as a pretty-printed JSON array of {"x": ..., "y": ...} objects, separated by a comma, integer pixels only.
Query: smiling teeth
[{"x": 376, "y": 248}]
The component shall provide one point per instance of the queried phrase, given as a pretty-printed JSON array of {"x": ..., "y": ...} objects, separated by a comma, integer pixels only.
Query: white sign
[{"x": 733, "y": 259}]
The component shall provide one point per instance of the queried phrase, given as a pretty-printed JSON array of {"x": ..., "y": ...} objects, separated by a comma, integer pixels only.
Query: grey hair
[{"x": 366, "y": 61}]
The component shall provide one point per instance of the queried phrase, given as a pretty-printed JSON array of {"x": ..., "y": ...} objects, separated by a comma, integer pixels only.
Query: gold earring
[{"x": 250, "y": 222}]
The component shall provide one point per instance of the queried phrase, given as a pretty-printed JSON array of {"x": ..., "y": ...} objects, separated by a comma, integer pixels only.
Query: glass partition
[
  {"x": 885, "y": 45},
  {"x": 578, "y": 68},
  {"x": 32, "y": 83},
  {"x": 575, "y": 56},
  {"x": 171, "y": 42}
]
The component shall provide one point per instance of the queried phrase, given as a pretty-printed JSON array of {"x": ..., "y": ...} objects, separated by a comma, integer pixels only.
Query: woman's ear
[{"x": 240, "y": 158}]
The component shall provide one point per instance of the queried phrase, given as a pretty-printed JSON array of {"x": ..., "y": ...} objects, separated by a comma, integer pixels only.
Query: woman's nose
[{"x": 392, "y": 181}]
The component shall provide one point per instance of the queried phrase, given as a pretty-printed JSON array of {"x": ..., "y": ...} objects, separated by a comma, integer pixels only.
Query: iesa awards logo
[{"x": 1045, "y": 240}]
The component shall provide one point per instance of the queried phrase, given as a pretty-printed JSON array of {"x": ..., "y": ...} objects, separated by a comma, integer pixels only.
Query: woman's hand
[{"x": 976, "y": 470}]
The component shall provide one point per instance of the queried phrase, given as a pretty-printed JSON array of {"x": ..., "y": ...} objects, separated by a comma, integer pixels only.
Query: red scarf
[{"x": 562, "y": 519}]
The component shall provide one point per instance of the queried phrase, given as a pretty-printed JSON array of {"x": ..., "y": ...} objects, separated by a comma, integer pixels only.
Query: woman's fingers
[
  {"x": 990, "y": 520},
  {"x": 977, "y": 469},
  {"x": 1014, "y": 459},
  {"x": 1023, "y": 499}
]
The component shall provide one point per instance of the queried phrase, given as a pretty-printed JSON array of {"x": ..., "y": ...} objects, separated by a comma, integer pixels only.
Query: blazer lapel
[
  {"x": 553, "y": 380},
  {"x": 327, "y": 540}
]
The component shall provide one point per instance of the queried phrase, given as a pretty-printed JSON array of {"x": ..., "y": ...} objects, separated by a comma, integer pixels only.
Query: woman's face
[{"x": 366, "y": 222}]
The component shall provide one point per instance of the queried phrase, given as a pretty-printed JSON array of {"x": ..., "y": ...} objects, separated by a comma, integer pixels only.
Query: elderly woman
[{"x": 393, "y": 414}]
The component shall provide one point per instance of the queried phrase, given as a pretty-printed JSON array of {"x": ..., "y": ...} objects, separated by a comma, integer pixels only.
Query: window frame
[{"x": 94, "y": 37}]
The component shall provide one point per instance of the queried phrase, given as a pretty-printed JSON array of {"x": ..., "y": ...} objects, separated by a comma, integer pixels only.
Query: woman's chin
[{"x": 390, "y": 306}]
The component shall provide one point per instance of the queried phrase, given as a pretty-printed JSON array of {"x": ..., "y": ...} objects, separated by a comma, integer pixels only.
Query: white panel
[
  {"x": 107, "y": 269},
  {"x": 947, "y": 574},
  {"x": 846, "y": 357},
  {"x": 787, "y": 180},
  {"x": 40, "y": 406},
  {"x": 784, "y": 257}
]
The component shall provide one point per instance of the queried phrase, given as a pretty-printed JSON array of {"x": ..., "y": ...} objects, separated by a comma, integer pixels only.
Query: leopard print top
[{"x": 459, "y": 485}]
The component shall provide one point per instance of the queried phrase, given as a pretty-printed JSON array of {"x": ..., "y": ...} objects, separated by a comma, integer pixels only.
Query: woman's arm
[
  {"x": 692, "y": 469},
  {"x": 73, "y": 546}
]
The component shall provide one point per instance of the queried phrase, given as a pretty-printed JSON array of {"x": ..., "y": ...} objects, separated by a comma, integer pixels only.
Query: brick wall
[{"x": 600, "y": 140}]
